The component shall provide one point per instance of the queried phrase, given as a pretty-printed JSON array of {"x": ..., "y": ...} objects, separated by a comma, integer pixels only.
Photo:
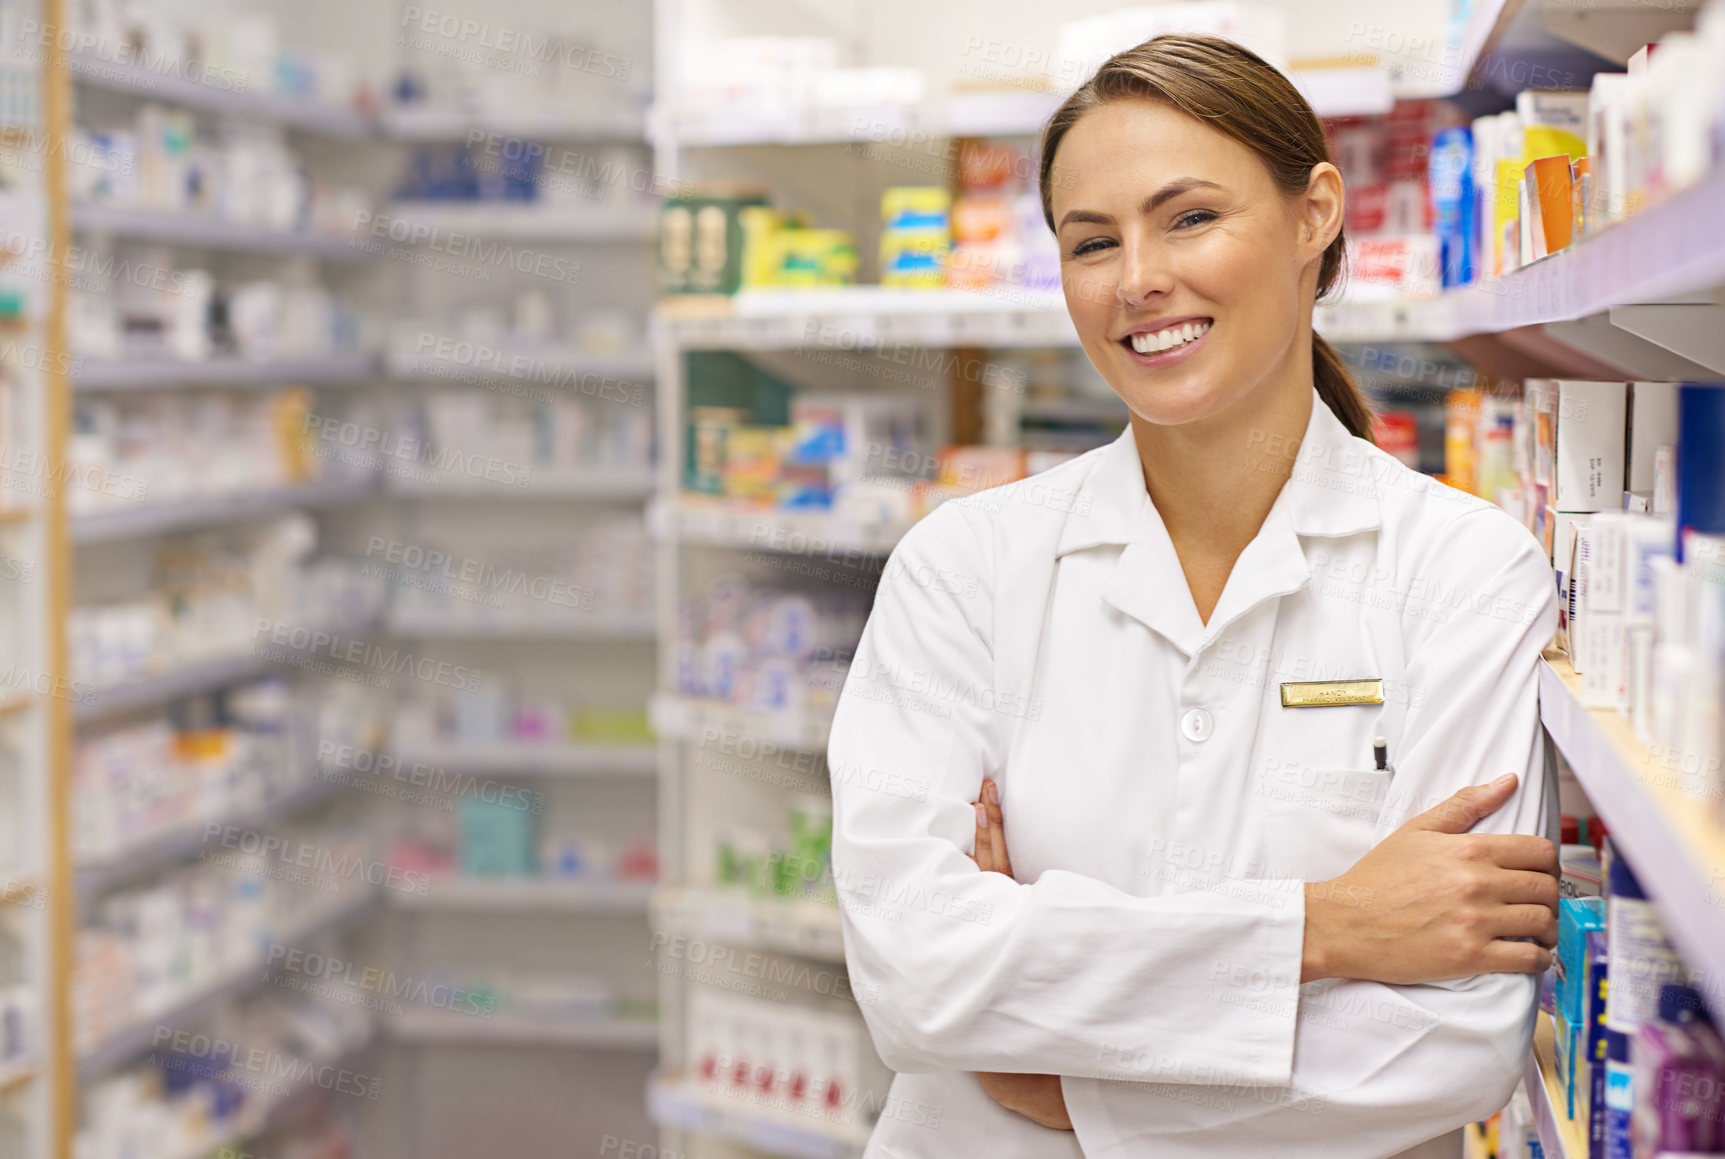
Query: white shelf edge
[
  {"x": 594, "y": 485},
  {"x": 535, "y": 759},
  {"x": 797, "y": 927},
  {"x": 592, "y": 223},
  {"x": 144, "y": 519},
  {"x": 1693, "y": 913},
  {"x": 141, "y": 373},
  {"x": 769, "y": 529},
  {"x": 423, "y": 626},
  {"x": 207, "y": 231},
  {"x": 232, "y": 99},
  {"x": 430, "y": 1027},
  {"x": 528, "y": 894}
]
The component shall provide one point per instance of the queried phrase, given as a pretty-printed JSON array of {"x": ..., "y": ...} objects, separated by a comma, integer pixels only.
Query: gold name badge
[{"x": 1329, "y": 693}]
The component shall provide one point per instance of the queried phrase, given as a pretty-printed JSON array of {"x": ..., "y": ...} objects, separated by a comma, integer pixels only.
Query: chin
[{"x": 1170, "y": 404}]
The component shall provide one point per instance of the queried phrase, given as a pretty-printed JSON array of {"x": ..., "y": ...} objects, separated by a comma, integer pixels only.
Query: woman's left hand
[{"x": 1035, "y": 1096}]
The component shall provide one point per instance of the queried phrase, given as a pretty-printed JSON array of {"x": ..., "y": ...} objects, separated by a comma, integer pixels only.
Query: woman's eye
[
  {"x": 1193, "y": 218},
  {"x": 1090, "y": 246}
]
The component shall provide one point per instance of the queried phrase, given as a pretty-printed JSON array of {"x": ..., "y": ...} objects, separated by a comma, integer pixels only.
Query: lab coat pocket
[{"x": 1320, "y": 821}]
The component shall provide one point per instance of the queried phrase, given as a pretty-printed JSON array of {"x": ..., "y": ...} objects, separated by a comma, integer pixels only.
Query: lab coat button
[{"x": 1196, "y": 725}]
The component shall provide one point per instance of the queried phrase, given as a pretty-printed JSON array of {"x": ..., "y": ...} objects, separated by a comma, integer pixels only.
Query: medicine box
[
  {"x": 1652, "y": 424},
  {"x": 1589, "y": 435}
]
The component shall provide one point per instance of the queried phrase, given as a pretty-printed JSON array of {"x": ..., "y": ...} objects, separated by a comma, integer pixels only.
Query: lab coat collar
[{"x": 1334, "y": 490}]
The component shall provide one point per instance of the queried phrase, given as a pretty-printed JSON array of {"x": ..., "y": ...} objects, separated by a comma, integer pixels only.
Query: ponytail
[{"x": 1339, "y": 390}]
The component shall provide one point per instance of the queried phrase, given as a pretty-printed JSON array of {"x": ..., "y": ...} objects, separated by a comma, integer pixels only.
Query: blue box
[{"x": 1576, "y": 918}]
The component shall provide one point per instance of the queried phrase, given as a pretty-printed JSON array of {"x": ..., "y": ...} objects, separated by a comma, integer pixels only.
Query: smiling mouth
[{"x": 1169, "y": 338}]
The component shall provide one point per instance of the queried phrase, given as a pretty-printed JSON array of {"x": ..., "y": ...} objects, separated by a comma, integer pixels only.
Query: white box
[
  {"x": 1590, "y": 428},
  {"x": 1580, "y": 563},
  {"x": 1605, "y": 683},
  {"x": 1652, "y": 424},
  {"x": 1604, "y": 590}
]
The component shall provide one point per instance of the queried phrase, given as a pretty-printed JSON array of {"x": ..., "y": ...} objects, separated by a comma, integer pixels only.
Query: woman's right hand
[{"x": 1433, "y": 901}]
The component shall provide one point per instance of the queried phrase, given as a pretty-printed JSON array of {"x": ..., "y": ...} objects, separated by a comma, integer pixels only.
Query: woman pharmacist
[{"x": 1144, "y": 687}]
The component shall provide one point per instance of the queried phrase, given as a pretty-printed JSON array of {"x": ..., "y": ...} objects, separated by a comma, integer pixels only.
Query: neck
[{"x": 1215, "y": 480}]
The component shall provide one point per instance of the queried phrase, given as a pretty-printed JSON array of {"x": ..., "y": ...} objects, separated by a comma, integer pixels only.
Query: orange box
[{"x": 1550, "y": 204}]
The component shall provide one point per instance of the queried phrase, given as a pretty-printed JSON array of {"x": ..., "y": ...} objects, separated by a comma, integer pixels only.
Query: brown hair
[{"x": 1237, "y": 93}]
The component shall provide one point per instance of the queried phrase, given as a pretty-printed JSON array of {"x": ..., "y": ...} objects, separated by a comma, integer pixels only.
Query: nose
[{"x": 1144, "y": 274}]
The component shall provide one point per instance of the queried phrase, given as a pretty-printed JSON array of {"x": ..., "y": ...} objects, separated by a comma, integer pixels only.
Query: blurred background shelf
[
  {"x": 550, "y": 760},
  {"x": 121, "y": 1046},
  {"x": 146, "y": 519},
  {"x": 147, "y": 373},
  {"x": 206, "y": 231},
  {"x": 442, "y": 1026},
  {"x": 679, "y": 1104},
  {"x": 526, "y": 894}
]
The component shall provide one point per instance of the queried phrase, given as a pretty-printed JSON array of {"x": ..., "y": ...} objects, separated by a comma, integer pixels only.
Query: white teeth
[{"x": 1168, "y": 339}]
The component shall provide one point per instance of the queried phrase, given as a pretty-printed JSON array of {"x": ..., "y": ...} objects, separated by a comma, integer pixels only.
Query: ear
[{"x": 1321, "y": 209}]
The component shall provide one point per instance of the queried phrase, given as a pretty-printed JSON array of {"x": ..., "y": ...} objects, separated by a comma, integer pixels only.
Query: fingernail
[
  {"x": 1506, "y": 779},
  {"x": 993, "y": 791},
  {"x": 981, "y": 816}
]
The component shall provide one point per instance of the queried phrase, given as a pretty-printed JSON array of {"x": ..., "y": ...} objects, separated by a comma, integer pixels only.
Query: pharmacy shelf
[
  {"x": 853, "y": 321},
  {"x": 259, "y": 1115},
  {"x": 206, "y": 231},
  {"x": 1446, "y": 75},
  {"x": 527, "y": 894},
  {"x": 426, "y": 123},
  {"x": 174, "y": 843},
  {"x": 594, "y": 626},
  {"x": 1671, "y": 249},
  {"x": 1001, "y": 112},
  {"x": 677, "y": 1104},
  {"x": 451, "y": 359},
  {"x": 546, "y": 760},
  {"x": 237, "y": 97},
  {"x": 157, "y": 373},
  {"x": 16, "y": 1073},
  {"x": 443, "y": 1026},
  {"x": 1560, "y": 1136},
  {"x": 589, "y": 484},
  {"x": 824, "y": 538},
  {"x": 689, "y": 718},
  {"x": 91, "y": 705},
  {"x": 581, "y": 221},
  {"x": 806, "y": 929},
  {"x": 141, "y": 520},
  {"x": 123, "y": 1045},
  {"x": 1674, "y": 843}
]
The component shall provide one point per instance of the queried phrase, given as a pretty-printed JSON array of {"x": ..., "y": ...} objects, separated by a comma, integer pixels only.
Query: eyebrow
[{"x": 1167, "y": 193}]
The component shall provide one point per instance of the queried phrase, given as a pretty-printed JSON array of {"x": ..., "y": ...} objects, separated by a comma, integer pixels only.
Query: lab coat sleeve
[
  {"x": 1378, "y": 1068},
  {"x": 959, "y": 969}
]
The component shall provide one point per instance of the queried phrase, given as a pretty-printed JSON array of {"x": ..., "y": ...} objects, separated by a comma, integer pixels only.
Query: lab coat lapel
[
  {"x": 1331, "y": 491},
  {"x": 1147, "y": 582}
]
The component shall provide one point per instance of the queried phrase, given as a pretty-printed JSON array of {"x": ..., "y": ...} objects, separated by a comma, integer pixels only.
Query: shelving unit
[
  {"x": 549, "y": 895},
  {"x": 548, "y": 760},
  {"x": 1675, "y": 843},
  {"x": 250, "y": 102},
  {"x": 676, "y": 1104},
  {"x": 1562, "y": 1137},
  {"x": 120, "y": 1047},
  {"x": 203, "y": 231},
  {"x": 155, "y": 374},
  {"x": 188, "y": 679},
  {"x": 149, "y": 852},
  {"x": 528, "y": 220},
  {"x": 148, "y": 519},
  {"x": 594, "y": 627},
  {"x": 443, "y": 1028}
]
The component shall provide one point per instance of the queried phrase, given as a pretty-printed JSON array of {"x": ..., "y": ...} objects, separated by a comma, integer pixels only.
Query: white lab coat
[{"x": 1162, "y": 809}]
